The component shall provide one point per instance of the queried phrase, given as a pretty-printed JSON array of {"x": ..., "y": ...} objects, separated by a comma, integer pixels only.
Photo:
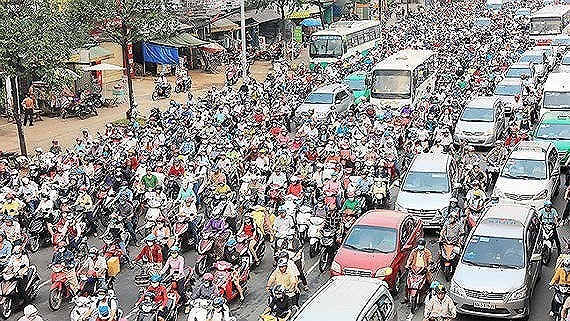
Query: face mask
[
  {"x": 100, "y": 296},
  {"x": 61, "y": 250},
  {"x": 18, "y": 254},
  {"x": 154, "y": 284},
  {"x": 421, "y": 247},
  {"x": 149, "y": 243},
  {"x": 174, "y": 255}
]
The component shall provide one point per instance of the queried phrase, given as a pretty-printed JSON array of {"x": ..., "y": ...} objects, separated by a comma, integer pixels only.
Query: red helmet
[{"x": 208, "y": 277}]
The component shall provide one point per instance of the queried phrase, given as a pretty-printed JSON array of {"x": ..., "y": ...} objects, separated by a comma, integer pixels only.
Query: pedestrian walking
[{"x": 28, "y": 104}]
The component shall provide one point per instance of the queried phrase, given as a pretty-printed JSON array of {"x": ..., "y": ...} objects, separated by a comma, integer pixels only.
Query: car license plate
[{"x": 484, "y": 305}]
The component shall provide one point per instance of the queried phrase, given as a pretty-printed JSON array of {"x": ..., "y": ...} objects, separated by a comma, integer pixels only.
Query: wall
[{"x": 111, "y": 76}]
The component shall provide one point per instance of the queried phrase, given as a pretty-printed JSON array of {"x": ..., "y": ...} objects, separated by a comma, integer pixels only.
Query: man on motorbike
[
  {"x": 30, "y": 314},
  {"x": 561, "y": 277},
  {"x": 228, "y": 211},
  {"x": 151, "y": 252},
  {"x": 283, "y": 223},
  {"x": 175, "y": 268},
  {"x": 12, "y": 230},
  {"x": 232, "y": 256},
  {"x": 149, "y": 180},
  {"x": 496, "y": 157},
  {"x": 351, "y": 205},
  {"x": 29, "y": 193},
  {"x": 104, "y": 302},
  {"x": 440, "y": 306},
  {"x": 549, "y": 215},
  {"x": 476, "y": 175},
  {"x": 279, "y": 304},
  {"x": 127, "y": 215},
  {"x": 96, "y": 263},
  {"x": 86, "y": 203},
  {"x": 65, "y": 257},
  {"x": 420, "y": 257},
  {"x": 283, "y": 275},
  {"x": 160, "y": 296},
  {"x": 452, "y": 231},
  {"x": 19, "y": 263}
]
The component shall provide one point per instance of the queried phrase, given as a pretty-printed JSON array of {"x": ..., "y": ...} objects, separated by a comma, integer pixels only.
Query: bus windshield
[
  {"x": 388, "y": 84},
  {"x": 545, "y": 26},
  {"x": 326, "y": 46}
]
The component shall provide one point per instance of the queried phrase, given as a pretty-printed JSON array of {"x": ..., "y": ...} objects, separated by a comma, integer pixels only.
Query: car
[
  {"x": 427, "y": 188},
  {"x": 555, "y": 93},
  {"x": 550, "y": 56},
  {"x": 523, "y": 68},
  {"x": 481, "y": 122},
  {"x": 326, "y": 101},
  {"x": 564, "y": 63},
  {"x": 560, "y": 44},
  {"x": 530, "y": 175},
  {"x": 506, "y": 90},
  {"x": 538, "y": 60},
  {"x": 523, "y": 12},
  {"x": 357, "y": 83},
  {"x": 349, "y": 298},
  {"x": 500, "y": 264},
  {"x": 482, "y": 22},
  {"x": 377, "y": 245},
  {"x": 554, "y": 127},
  {"x": 494, "y": 5}
]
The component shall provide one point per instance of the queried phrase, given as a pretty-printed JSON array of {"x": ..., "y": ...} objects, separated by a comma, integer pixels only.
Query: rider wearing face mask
[
  {"x": 561, "y": 277},
  {"x": 151, "y": 252},
  {"x": 420, "y": 257},
  {"x": 65, "y": 257},
  {"x": 452, "y": 231},
  {"x": 207, "y": 290},
  {"x": 160, "y": 296},
  {"x": 20, "y": 264},
  {"x": 105, "y": 306}
]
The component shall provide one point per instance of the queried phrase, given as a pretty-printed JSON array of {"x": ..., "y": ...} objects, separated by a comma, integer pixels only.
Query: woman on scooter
[
  {"x": 175, "y": 268},
  {"x": 232, "y": 256},
  {"x": 250, "y": 229}
]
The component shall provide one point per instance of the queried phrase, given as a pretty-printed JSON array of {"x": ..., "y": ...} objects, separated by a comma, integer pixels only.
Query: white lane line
[
  {"x": 44, "y": 283},
  {"x": 312, "y": 268}
]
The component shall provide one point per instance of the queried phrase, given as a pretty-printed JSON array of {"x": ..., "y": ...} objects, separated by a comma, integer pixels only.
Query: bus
[
  {"x": 403, "y": 78},
  {"x": 548, "y": 22},
  {"x": 556, "y": 93},
  {"x": 343, "y": 39}
]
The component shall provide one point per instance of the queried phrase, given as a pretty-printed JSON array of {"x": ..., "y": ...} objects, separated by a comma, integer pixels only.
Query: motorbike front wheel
[
  {"x": 546, "y": 255},
  {"x": 34, "y": 290},
  {"x": 324, "y": 261},
  {"x": 414, "y": 300},
  {"x": 6, "y": 308},
  {"x": 314, "y": 249},
  {"x": 202, "y": 267},
  {"x": 154, "y": 95},
  {"x": 34, "y": 244},
  {"x": 55, "y": 297}
]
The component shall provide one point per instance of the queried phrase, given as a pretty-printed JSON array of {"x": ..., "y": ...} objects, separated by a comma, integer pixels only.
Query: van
[
  {"x": 500, "y": 265},
  {"x": 556, "y": 93},
  {"x": 427, "y": 188},
  {"x": 352, "y": 298}
]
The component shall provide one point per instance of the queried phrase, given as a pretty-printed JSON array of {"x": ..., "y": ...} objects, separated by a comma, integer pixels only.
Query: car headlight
[
  {"x": 541, "y": 195},
  {"x": 335, "y": 267},
  {"x": 456, "y": 289},
  {"x": 518, "y": 294},
  {"x": 383, "y": 272},
  {"x": 400, "y": 208}
]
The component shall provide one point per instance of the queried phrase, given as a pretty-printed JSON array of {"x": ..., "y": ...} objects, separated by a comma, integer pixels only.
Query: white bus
[
  {"x": 343, "y": 39},
  {"x": 403, "y": 78},
  {"x": 556, "y": 93},
  {"x": 548, "y": 22}
]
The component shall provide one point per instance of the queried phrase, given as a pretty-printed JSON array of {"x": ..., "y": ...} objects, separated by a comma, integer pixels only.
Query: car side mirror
[{"x": 536, "y": 257}]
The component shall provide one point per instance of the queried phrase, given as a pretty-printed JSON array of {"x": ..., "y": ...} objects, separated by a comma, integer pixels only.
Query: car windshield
[
  {"x": 424, "y": 182},
  {"x": 373, "y": 239},
  {"x": 482, "y": 22},
  {"x": 499, "y": 252},
  {"x": 556, "y": 99},
  {"x": 524, "y": 169},
  {"x": 494, "y": 6},
  {"x": 477, "y": 115},
  {"x": 507, "y": 90},
  {"x": 389, "y": 84},
  {"x": 566, "y": 60},
  {"x": 522, "y": 12},
  {"x": 545, "y": 26},
  {"x": 560, "y": 42},
  {"x": 553, "y": 131},
  {"x": 537, "y": 59},
  {"x": 319, "y": 98},
  {"x": 356, "y": 84},
  {"x": 325, "y": 46},
  {"x": 517, "y": 72}
]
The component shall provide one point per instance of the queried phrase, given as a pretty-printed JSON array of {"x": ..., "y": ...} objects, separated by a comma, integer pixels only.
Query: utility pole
[
  {"x": 243, "y": 41},
  {"x": 17, "y": 118},
  {"x": 379, "y": 10}
]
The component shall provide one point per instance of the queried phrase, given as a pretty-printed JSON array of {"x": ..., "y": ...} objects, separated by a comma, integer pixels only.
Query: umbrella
[
  {"x": 103, "y": 66},
  {"x": 212, "y": 47},
  {"x": 311, "y": 22}
]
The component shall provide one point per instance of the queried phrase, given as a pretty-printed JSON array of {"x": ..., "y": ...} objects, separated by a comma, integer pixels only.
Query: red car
[{"x": 378, "y": 245}]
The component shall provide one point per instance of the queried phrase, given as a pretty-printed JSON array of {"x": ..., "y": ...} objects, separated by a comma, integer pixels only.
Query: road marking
[
  {"x": 44, "y": 283},
  {"x": 312, "y": 268}
]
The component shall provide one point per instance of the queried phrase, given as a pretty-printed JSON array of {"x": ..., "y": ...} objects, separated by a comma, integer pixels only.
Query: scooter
[
  {"x": 416, "y": 286},
  {"x": 205, "y": 251},
  {"x": 161, "y": 91},
  {"x": 329, "y": 245},
  {"x": 82, "y": 305},
  {"x": 201, "y": 308},
  {"x": 449, "y": 255},
  {"x": 380, "y": 193},
  {"x": 303, "y": 215},
  {"x": 9, "y": 296},
  {"x": 242, "y": 247},
  {"x": 547, "y": 243},
  {"x": 147, "y": 310},
  {"x": 79, "y": 109},
  {"x": 316, "y": 225},
  {"x": 223, "y": 278},
  {"x": 561, "y": 293},
  {"x": 60, "y": 289},
  {"x": 38, "y": 231}
]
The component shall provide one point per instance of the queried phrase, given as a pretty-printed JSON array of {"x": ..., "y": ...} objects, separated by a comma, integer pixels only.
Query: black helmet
[
  {"x": 278, "y": 291},
  {"x": 422, "y": 241},
  {"x": 440, "y": 289}
]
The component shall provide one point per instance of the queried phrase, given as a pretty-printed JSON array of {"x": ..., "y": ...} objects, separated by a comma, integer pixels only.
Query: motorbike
[
  {"x": 38, "y": 231},
  {"x": 492, "y": 172},
  {"x": 82, "y": 305},
  {"x": 59, "y": 289},
  {"x": 329, "y": 245},
  {"x": 161, "y": 91},
  {"x": 82, "y": 110},
  {"x": 147, "y": 311},
  {"x": 9, "y": 296},
  {"x": 548, "y": 242},
  {"x": 183, "y": 84},
  {"x": 416, "y": 286},
  {"x": 561, "y": 293},
  {"x": 181, "y": 232},
  {"x": 200, "y": 310},
  {"x": 316, "y": 225},
  {"x": 242, "y": 247},
  {"x": 474, "y": 213},
  {"x": 223, "y": 278},
  {"x": 380, "y": 193},
  {"x": 206, "y": 251},
  {"x": 303, "y": 215},
  {"x": 449, "y": 256}
]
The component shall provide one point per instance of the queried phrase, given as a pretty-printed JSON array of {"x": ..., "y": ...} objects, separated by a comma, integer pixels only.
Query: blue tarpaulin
[
  {"x": 310, "y": 22},
  {"x": 160, "y": 54}
]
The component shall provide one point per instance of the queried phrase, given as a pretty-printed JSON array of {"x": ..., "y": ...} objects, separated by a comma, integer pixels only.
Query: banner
[{"x": 160, "y": 54}]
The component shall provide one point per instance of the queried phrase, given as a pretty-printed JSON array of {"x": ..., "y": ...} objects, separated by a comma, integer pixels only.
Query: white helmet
[
  {"x": 29, "y": 310},
  {"x": 39, "y": 150},
  {"x": 25, "y": 181}
]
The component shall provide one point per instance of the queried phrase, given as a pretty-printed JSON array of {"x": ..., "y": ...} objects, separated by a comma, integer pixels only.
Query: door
[
  {"x": 553, "y": 171},
  {"x": 406, "y": 239}
]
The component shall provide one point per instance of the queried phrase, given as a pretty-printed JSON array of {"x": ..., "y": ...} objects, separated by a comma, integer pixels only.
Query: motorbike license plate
[{"x": 484, "y": 305}]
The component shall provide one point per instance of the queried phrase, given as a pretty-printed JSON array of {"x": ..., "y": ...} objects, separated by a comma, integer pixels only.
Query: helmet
[
  {"x": 218, "y": 302},
  {"x": 150, "y": 295},
  {"x": 155, "y": 278},
  {"x": 208, "y": 277},
  {"x": 150, "y": 238},
  {"x": 440, "y": 289},
  {"x": 103, "y": 289},
  {"x": 29, "y": 310},
  {"x": 282, "y": 262},
  {"x": 103, "y": 311},
  {"x": 39, "y": 150},
  {"x": 566, "y": 263},
  {"x": 422, "y": 241},
  {"x": 434, "y": 284},
  {"x": 453, "y": 200},
  {"x": 231, "y": 242},
  {"x": 547, "y": 203},
  {"x": 175, "y": 249},
  {"x": 477, "y": 193},
  {"x": 93, "y": 250},
  {"x": 278, "y": 291},
  {"x": 25, "y": 181}
]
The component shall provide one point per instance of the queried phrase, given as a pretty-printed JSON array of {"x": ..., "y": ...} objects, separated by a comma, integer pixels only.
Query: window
[
  {"x": 374, "y": 315},
  {"x": 385, "y": 306}
]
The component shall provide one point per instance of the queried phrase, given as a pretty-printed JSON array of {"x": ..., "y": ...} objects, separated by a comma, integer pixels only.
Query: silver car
[
  {"x": 481, "y": 122},
  {"x": 506, "y": 90},
  {"x": 326, "y": 101},
  {"x": 500, "y": 265},
  {"x": 538, "y": 59}
]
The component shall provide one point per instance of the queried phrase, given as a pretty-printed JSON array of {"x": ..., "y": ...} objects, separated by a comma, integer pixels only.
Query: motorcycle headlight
[
  {"x": 518, "y": 294},
  {"x": 335, "y": 267},
  {"x": 541, "y": 195},
  {"x": 383, "y": 272},
  {"x": 456, "y": 289}
]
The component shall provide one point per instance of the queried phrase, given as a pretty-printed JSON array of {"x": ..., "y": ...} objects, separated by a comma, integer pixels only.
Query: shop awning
[
  {"x": 259, "y": 16},
  {"x": 222, "y": 25},
  {"x": 305, "y": 12},
  {"x": 184, "y": 39}
]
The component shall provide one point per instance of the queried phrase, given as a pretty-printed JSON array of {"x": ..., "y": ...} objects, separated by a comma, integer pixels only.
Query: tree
[
  {"x": 36, "y": 38},
  {"x": 282, "y": 5},
  {"x": 124, "y": 22}
]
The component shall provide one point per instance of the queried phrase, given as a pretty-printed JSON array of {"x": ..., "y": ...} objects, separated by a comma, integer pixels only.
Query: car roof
[
  {"x": 504, "y": 220},
  {"x": 510, "y": 81},
  {"x": 356, "y": 75},
  {"x": 521, "y": 64},
  {"x": 486, "y": 102},
  {"x": 384, "y": 218},
  {"x": 531, "y": 150},
  {"x": 341, "y": 298},
  {"x": 430, "y": 162},
  {"x": 533, "y": 52},
  {"x": 331, "y": 88}
]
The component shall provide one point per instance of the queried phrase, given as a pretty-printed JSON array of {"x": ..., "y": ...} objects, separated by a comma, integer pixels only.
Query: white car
[
  {"x": 523, "y": 68},
  {"x": 565, "y": 63},
  {"x": 538, "y": 59},
  {"x": 530, "y": 175}
]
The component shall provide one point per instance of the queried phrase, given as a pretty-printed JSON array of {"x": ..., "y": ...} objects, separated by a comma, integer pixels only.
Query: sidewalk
[{"x": 66, "y": 130}]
